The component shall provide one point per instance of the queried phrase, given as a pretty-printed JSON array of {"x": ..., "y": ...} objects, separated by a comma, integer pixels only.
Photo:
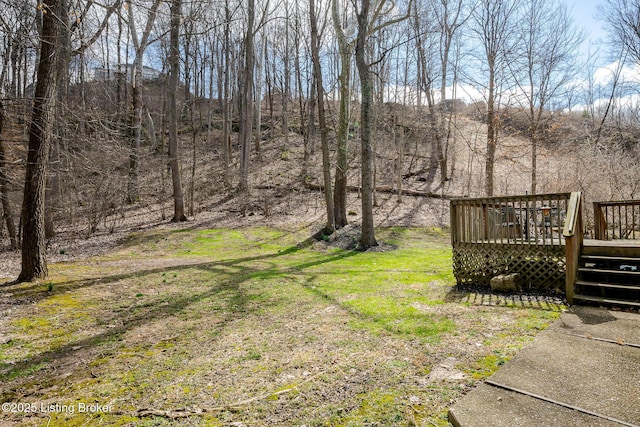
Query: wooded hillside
[{"x": 165, "y": 110}]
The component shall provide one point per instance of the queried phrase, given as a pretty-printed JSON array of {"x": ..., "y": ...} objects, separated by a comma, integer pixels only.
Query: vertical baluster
[
  {"x": 553, "y": 218},
  {"x": 544, "y": 223},
  {"x": 498, "y": 211},
  {"x": 473, "y": 208},
  {"x": 626, "y": 221},
  {"x": 534, "y": 212},
  {"x": 478, "y": 222},
  {"x": 633, "y": 216},
  {"x": 470, "y": 216},
  {"x": 606, "y": 215},
  {"x": 519, "y": 221},
  {"x": 620, "y": 235},
  {"x": 462, "y": 213}
]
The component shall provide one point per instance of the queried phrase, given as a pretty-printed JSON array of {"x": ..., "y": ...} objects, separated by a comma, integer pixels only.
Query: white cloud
[{"x": 605, "y": 75}]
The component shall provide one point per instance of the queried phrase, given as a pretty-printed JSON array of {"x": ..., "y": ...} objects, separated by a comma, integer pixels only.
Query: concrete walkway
[{"x": 584, "y": 370}]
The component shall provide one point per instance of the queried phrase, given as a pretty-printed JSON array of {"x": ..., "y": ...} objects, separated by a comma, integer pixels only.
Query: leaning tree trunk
[
  {"x": 174, "y": 163},
  {"x": 34, "y": 264},
  {"x": 324, "y": 134}
]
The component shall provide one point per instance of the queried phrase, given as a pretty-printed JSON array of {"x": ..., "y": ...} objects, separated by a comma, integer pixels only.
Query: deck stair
[{"x": 608, "y": 274}]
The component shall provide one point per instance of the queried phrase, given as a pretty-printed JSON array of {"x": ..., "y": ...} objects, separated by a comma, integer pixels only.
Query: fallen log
[{"x": 388, "y": 189}]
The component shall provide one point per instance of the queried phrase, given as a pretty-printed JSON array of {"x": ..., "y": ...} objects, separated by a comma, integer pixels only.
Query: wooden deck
[
  {"x": 540, "y": 237},
  {"x": 505, "y": 235}
]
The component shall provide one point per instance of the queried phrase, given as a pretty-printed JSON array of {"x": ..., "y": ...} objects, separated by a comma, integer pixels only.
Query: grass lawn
[{"x": 253, "y": 327}]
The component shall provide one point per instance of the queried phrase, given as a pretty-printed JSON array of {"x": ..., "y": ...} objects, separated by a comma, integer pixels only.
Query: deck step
[
  {"x": 608, "y": 285},
  {"x": 608, "y": 271},
  {"x": 605, "y": 300},
  {"x": 608, "y": 258},
  {"x": 624, "y": 249}
]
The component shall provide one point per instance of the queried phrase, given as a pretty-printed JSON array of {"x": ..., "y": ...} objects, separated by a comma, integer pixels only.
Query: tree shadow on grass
[
  {"x": 35, "y": 291},
  {"x": 228, "y": 286}
]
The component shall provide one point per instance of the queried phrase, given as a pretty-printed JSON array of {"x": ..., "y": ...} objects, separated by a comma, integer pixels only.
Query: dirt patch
[{"x": 347, "y": 238}]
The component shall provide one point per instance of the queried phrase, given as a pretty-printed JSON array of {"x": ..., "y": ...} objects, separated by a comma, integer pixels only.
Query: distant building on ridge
[{"x": 124, "y": 71}]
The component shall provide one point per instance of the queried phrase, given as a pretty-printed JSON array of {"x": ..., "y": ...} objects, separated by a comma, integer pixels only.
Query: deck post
[
  {"x": 485, "y": 221},
  {"x": 573, "y": 233},
  {"x": 599, "y": 222},
  {"x": 453, "y": 223}
]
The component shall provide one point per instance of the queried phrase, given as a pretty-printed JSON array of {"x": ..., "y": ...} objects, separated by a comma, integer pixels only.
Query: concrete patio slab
[{"x": 583, "y": 370}]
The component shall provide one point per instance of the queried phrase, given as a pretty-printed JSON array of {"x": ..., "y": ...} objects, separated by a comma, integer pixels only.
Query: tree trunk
[
  {"x": 286, "y": 78},
  {"x": 367, "y": 239},
  {"x": 436, "y": 137},
  {"x": 174, "y": 163},
  {"x": 340, "y": 186},
  {"x": 135, "y": 127},
  {"x": 326, "y": 161},
  {"x": 63, "y": 60},
  {"x": 7, "y": 212},
  {"x": 246, "y": 118},
  {"x": 226, "y": 104},
  {"x": 491, "y": 133},
  {"x": 135, "y": 133},
  {"x": 344, "y": 83},
  {"x": 258, "y": 96},
  {"x": 534, "y": 160},
  {"x": 310, "y": 134},
  {"x": 34, "y": 263}
]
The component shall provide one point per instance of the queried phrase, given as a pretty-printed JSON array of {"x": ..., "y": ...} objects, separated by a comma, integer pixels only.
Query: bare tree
[
  {"x": 226, "y": 93},
  {"x": 140, "y": 45},
  {"x": 345, "y": 47},
  {"x": 7, "y": 211},
  {"x": 34, "y": 263},
  {"x": 247, "y": 100},
  {"x": 623, "y": 19},
  {"x": 493, "y": 25},
  {"x": 452, "y": 15},
  {"x": 19, "y": 27},
  {"x": 427, "y": 38},
  {"x": 326, "y": 163},
  {"x": 174, "y": 79},
  {"x": 543, "y": 65},
  {"x": 370, "y": 20}
]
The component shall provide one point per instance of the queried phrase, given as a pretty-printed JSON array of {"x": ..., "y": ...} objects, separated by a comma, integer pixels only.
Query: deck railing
[
  {"x": 514, "y": 234},
  {"x": 515, "y": 220},
  {"x": 616, "y": 220}
]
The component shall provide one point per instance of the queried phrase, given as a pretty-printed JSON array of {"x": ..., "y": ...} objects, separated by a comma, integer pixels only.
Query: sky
[{"x": 584, "y": 12}]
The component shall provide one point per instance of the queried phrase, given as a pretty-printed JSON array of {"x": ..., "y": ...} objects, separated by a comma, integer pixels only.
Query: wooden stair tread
[
  {"x": 608, "y": 285},
  {"x": 605, "y": 300},
  {"x": 605, "y": 271},
  {"x": 610, "y": 258}
]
